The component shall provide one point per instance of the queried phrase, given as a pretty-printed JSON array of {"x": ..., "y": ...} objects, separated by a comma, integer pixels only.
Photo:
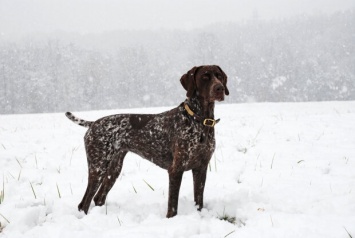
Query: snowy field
[{"x": 279, "y": 170}]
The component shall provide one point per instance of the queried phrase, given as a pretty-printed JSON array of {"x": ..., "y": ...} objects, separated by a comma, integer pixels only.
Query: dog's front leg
[
  {"x": 199, "y": 177},
  {"x": 175, "y": 178}
]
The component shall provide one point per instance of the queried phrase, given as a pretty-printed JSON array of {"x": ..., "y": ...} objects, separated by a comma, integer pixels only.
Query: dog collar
[{"x": 205, "y": 121}]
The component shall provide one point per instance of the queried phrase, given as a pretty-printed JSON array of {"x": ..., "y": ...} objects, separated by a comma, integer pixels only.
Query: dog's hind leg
[
  {"x": 110, "y": 177},
  {"x": 94, "y": 182}
]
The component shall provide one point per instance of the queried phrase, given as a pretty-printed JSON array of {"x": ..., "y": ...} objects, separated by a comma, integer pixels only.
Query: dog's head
[{"x": 208, "y": 82}]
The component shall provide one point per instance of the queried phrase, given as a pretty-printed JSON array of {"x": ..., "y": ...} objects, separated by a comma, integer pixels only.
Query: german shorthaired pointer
[{"x": 177, "y": 140}]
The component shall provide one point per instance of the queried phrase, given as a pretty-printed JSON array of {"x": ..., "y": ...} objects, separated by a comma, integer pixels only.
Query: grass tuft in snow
[
  {"x": 226, "y": 217},
  {"x": 3, "y": 146},
  {"x": 348, "y": 232},
  {"x": 148, "y": 185},
  {"x": 34, "y": 193}
]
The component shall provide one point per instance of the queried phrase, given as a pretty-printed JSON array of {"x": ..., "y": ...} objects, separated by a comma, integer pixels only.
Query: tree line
[{"x": 304, "y": 58}]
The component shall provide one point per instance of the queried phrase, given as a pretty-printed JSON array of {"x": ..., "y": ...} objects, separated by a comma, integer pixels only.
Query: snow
[
  {"x": 278, "y": 82},
  {"x": 279, "y": 170}
]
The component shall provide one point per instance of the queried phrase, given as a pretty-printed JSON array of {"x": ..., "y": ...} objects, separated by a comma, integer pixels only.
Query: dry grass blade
[
  {"x": 19, "y": 175},
  {"x": 2, "y": 196},
  {"x": 2, "y": 192},
  {"x": 348, "y": 232},
  {"x": 148, "y": 185},
  {"x": 34, "y": 193},
  {"x": 229, "y": 233},
  {"x": 19, "y": 163},
  {"x": 134, "y": 188},
  {"x": 119, "y": 221},
  {"x": 60, "y": 196},
  {"x": 5, "y": 218},
  {"x": 36, "y": 161},
  {"x": 272, "y": 162}
]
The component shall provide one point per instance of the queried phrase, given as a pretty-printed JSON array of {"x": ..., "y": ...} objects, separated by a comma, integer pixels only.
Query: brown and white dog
[{"x": 178, "y": 140}]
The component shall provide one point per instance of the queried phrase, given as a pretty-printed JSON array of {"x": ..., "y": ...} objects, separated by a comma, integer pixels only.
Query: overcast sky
[{"x": 19, "y": 17}]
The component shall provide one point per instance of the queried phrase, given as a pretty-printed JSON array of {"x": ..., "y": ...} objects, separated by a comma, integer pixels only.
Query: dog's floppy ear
[
  {"x": 224, "y": 82},
  {"x": 188, "y": 82}
]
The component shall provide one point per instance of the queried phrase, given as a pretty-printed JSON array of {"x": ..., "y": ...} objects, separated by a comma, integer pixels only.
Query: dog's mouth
[
  {"x": 217, "y": 92},
  {"x": 219, "y": 97}
]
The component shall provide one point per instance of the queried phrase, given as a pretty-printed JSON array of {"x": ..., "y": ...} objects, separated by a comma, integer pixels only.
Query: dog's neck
[{"x": 202, "y": 107}]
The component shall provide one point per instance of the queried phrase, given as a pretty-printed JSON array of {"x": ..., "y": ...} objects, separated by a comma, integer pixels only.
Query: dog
[{"x": 178, "y": 140}]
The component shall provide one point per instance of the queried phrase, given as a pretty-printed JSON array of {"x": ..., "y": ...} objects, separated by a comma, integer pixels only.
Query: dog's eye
[
  {"x": 219, "y": 76},
  {"x": 205, "y": 77}
]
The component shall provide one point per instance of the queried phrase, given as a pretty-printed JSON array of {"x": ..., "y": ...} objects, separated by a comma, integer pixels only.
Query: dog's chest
[{"x": 194, "y": 148}]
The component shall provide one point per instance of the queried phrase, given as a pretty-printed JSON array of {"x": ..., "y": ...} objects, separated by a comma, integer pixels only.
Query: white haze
[
  {"x": 59, "y": 55},
  {"x": 20, "y": 17}
]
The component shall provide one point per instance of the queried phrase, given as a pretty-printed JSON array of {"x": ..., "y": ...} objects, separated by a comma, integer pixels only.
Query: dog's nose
[{"x": 219, "y": 88}]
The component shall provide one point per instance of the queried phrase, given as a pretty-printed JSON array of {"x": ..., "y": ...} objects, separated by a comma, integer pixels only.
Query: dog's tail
[{"x": 78, "y": 121}]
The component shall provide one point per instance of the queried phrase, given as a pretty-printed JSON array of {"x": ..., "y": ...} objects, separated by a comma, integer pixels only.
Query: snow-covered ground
[{"x": 279, "y": 170}]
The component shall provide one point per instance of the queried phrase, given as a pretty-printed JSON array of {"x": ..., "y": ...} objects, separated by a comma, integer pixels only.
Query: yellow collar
[{"x": 205, "y": 121}]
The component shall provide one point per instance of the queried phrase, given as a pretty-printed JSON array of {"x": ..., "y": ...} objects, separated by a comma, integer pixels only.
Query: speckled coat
[{"x": 173, "y": 140}]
